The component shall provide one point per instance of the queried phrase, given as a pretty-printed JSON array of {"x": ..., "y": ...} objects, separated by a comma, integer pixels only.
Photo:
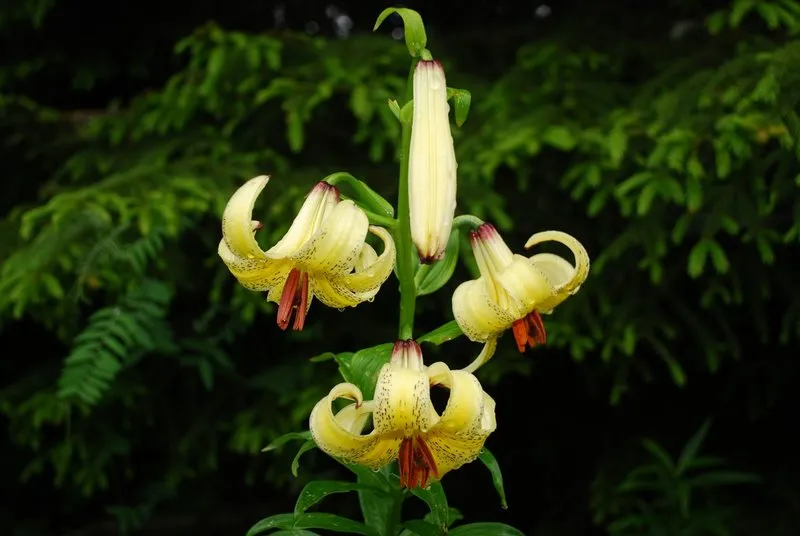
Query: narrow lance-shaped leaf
[
  {"x": 413, "y": 28},
  {"x": 308, "y": 445},
  {"x": 436, "y": 500},
  {"x": 442, "y": 334},
  {"x": 484, "y": 529},
  {"x": 363, "y": 194},
  {"x": 316, "y": 490},
  {"x": 462, "y": 99},
  {"x": 491, "y": 464}
]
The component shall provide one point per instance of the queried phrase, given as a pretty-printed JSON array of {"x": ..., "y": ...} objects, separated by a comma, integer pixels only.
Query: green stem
[
  {"x": 395, "y": 513},
  {"x": 465, "y": 220},
  {"x": 383, "y": 221},
  {"x": 405, "y": 246}
]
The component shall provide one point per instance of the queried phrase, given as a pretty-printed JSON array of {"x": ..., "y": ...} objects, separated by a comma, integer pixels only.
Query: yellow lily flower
[
  {"x": 513, "y": 290},
  {"x": 406, "y": 426},
  {"x": 431, "y": 164},
  {"x": 322, "y": 255}
]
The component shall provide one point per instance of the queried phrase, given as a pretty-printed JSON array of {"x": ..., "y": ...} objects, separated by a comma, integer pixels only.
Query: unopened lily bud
[
  {"x": 432, "y": 164},
  {"x": 407, "y": 354}
]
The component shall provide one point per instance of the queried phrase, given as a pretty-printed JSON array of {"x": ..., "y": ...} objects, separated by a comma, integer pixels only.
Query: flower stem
[
  {"x": 405, "y": 246},
  {"x": 467, "y": 220},
  {"x": 383, "y": 221}
]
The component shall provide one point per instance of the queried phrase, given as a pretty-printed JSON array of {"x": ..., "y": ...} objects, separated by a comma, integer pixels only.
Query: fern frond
[{"x": 113, "y": 339}]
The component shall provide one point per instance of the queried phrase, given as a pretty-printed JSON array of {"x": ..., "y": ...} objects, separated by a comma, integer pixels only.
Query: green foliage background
[{"x": 138, "y": 377}]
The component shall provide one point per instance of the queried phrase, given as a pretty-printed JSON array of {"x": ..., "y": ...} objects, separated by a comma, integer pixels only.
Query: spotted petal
[
  {"x": 370, "y": 272},
  {"x": 466, "y": 422},
  {"x": 336, "y": 245},
  {"x": 339, "y": 435}
]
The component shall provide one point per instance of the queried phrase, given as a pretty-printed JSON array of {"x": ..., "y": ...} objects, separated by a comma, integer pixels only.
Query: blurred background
[{"x": 138, "y": 381}]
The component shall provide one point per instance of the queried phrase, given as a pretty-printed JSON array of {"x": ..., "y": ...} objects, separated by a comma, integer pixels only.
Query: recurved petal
[
  {"x": 557, "y": 270},
  {"x": 403, "y": 402},
  {"x": 466, "y": 422},
  {"x": 367, "y": 277},
  {"x": 565, "y": 278},
  {"x": 237, "y": 227},
  {"x": 525, "y": 285},
  {"x": 335, "y": 292},
  {"x": 254, "y": 273},
  {"x": 337, "y": 243},
  {"x": 318, "y": 205},
  {"x": 339, "y": 435},
  {"x": 477, "y": 314},
  {"x": 370, "y": 271}
]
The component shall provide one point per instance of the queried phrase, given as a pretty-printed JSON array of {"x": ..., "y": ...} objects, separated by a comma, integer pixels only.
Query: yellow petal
[
  {"x": 338, "y": 435},
  {"x": 477, "y": 314},
  {"x": 432, "y": 163},
  {"x": 237, "y": 227},
  {"x": 318, "y": 205},
  {"x": 371, "y": 271},
  {"x": 466, "y": 422},
  {"x": 492, "y": 256},
  {"x": 403, "y": 402},
  {"x": 337, "y": 243},
  {"x": 238, "y": 248},
  {"x": 525, "y": 285},
  {"x": 353, "y": 417},
  {"x": 254, "y": 273},
  {"x": 565, "y": 278}
]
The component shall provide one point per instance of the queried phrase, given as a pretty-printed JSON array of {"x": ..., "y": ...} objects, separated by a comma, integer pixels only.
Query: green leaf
[
  {"x": 394, "y": 106},
  {"x": 461, "y": 102},
  {"x": 285, "y": 438},
  {"x": 343, "y": 359},
  {"x": 375, "y": 508},
  {"x": 559, "y": 137},
  {"x": 697, "y": 259},
  {"x": 485, "y": 529},
  {"x": 436, "y": 500},
  {"x": 423, "y": 528},
  {"x": 631, "y": 183},
  {"x": 363, "y": 367},
  {"x": 442, "y": 334},
  {"x": 716, "y": 22},
  {"x": 316, "y": 490},
  {"x": 723, "y": 161},
  {"x": 318, "y": 520},
  {"x": 432, "y": 277},
  {"x": 308, "y": 445},
  {"x": 692, "y": 447},
  {"x": 739, "y": 10},
  {"x": 414, "y": 29},
  {"x": 325, "y": 356},
  {"x": 295, "y": 532},
  {"x": 617, "y": 144},
  {"x": 362, "y": 193},
  {"x": 723, "y": 478},
  {"x": 278, "y": 521},
  {"x": 452, "y": 516},
  {"x": 490, "y": 462},
  {"x": 659, "y": 453},
  {"x": 718, "y": 257}
]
